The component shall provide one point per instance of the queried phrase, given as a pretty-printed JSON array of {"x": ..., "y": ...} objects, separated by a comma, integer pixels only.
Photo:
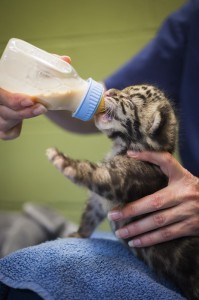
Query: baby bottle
[{"x": 49, "y": 80}]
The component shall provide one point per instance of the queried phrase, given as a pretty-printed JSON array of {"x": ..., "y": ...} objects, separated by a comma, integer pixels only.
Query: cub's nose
[{"x": 111, "y": 93}]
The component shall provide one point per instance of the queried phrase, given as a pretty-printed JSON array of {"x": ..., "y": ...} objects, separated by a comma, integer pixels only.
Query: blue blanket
[{"x": 75, "y": 269}]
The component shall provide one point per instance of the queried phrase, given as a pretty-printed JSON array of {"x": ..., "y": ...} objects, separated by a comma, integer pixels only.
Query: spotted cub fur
[{"x": 137, "y": 118}]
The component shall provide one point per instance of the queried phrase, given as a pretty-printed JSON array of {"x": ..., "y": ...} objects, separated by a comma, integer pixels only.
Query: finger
[
  {"x": 12, "y": 133},
  {"x": 168, "y": 164},
  {"x": 10, "y": 118},
  {"x": 7, "y": 113},
  {"x": 8, "y": 125},
  {"x": 14, "y": 100},
  {"x": 66, "y": 58},
  {"x": 164, "y": 234},
  {"x": 154, "y": 221},
  {"x": 162, "y": 199},
  {"x": 34, "y": 111}
]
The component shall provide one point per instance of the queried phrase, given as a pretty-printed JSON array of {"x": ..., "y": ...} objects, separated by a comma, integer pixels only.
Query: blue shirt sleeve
[{"x": 161, "y": 62}]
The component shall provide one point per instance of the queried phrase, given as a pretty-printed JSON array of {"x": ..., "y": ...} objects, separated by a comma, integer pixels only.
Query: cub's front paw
[
  {"x": 62, "y": 162},
  {"x": 51, "y": 153},
  {"x": 56, "y": 157}
]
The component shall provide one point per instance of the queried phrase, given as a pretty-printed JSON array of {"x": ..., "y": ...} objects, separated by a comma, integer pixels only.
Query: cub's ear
[{"x": 157, "y": 123}]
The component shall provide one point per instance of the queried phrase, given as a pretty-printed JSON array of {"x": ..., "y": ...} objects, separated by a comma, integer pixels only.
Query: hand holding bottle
[
  {"x": 13, "y": 109},
  {"x": 33, "y": 81}
]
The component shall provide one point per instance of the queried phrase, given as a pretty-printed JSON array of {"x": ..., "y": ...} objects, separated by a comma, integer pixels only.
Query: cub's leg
[
  {"x": 92, "y": 216},
  {"x": 95, "y": 177}
]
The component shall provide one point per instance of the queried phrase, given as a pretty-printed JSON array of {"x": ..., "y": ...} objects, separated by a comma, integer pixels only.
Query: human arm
[
  {"x": 67, "y": 122},
  {"x": 161, "y": 61},
  {"x": 173, "y": 211}
]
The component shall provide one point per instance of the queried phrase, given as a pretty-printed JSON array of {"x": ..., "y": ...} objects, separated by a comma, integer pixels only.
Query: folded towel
[{"x": 75, "y": 269}]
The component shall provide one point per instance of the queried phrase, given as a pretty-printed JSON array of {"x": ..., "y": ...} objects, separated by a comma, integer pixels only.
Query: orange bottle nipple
[{"x": 101, "y": 106}]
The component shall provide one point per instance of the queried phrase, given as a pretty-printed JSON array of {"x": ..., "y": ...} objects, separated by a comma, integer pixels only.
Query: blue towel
[{"x": 78, "y": 269}]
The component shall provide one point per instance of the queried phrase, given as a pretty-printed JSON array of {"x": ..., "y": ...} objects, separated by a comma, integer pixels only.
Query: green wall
[{"x": 99, "y": 36}]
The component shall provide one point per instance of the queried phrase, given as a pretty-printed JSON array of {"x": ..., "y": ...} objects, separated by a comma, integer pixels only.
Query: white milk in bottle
[{"x": 51, "y": 81}]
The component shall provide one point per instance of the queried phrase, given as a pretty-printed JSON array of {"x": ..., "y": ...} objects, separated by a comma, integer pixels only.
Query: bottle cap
[{"x": 90, "y": 102}]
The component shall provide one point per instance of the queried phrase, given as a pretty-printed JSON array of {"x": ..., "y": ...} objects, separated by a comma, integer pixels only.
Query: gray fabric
[{"x": 34, "y": 225}]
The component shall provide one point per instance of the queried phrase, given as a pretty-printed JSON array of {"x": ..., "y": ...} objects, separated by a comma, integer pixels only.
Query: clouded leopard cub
[{"x": 138, "y": 118}]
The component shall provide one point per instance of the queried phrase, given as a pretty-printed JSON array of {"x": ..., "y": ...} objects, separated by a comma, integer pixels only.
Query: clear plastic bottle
[{"x": 51, "y": 81}]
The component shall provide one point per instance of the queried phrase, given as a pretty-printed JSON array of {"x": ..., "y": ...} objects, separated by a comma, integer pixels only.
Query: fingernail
[
  {"x": 39, "y": 110},
  {"x": 114, "y": 215},
  {"x": 132, "y": 153},
  {"x": 134, "y": 243},
  {"x": 26, "y": 102},
  {"x": 122, "y": 233}
]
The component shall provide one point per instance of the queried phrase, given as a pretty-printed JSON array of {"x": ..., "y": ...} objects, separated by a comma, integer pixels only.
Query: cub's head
[{"x": 140, "y": 118}]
